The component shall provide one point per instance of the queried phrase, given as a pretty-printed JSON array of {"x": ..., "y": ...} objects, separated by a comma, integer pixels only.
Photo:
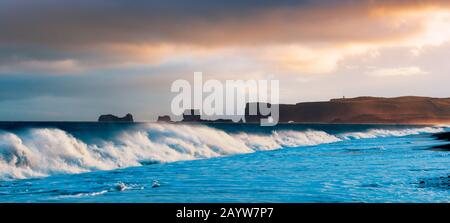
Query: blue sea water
[{"x": 154, "y": 162}]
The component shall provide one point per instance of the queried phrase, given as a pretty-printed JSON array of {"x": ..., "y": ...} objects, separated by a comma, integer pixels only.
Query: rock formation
[
  {"x": 164, "y": 118},
  {"x": 111, "y": 118}
]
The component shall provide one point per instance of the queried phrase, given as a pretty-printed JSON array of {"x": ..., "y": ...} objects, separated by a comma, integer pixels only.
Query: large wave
[{"x": 48, "y": 151}]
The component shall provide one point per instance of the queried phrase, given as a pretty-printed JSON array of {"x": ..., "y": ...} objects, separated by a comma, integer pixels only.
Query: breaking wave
[
  {"x": 377, "y": 133},
  {"x": 47, "y": 151}
]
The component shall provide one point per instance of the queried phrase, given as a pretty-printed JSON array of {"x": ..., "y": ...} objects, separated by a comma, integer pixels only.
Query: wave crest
[
  {"x": 378, "y": 133},
  {"x": 46, "y": 151}
]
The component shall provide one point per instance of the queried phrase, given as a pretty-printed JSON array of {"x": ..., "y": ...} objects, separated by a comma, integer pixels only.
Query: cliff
[{"x": 400, "y": 110}]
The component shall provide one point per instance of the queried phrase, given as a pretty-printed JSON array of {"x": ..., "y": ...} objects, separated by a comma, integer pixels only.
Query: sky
[{"x": 64, "y": 60}]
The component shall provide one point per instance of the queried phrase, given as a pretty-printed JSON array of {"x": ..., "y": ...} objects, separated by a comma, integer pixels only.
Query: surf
[{"x": 41, "y": 152}]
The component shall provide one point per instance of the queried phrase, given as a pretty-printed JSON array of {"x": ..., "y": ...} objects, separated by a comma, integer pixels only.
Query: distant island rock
[
  {"x": 193, "y": 115},
  {"x": 164, "y": 118},
  {"x": 112, "y": 118}
]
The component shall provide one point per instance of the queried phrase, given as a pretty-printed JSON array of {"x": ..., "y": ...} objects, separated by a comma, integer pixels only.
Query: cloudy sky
[{"x": 74, "y": 60}]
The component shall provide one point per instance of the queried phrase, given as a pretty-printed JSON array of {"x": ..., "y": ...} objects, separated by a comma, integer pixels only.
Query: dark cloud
[
  {"x": 66, "y": 22},
  {"x": 69, "y": 24},
  {"x": 84, "y": 30}
]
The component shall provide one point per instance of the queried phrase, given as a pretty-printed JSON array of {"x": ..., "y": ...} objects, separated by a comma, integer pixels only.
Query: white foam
[
  {"x": 279, "y": 139},
  {"x": 378, "y": 133},
  {"x": 43, "y": 152},
  {"x": 92, "y": 194}
]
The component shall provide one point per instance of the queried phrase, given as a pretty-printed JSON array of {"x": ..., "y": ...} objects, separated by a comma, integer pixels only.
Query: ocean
[{"x": 163, "y": 162}]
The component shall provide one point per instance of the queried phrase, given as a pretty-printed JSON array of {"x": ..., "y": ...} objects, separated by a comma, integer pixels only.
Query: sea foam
[{"x": 47, "y": 151}]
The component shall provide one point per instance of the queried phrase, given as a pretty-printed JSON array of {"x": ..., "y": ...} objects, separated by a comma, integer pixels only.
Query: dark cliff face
[
  {"x": 112, "y": 118},
  {"x": 365, "y": 110}
]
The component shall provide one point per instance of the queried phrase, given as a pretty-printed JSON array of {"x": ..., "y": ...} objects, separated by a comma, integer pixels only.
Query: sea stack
[
  {"x": 192, "y": 115},
  {"x": 164, "y": 118},
  {"x": 112, "y": 118}
]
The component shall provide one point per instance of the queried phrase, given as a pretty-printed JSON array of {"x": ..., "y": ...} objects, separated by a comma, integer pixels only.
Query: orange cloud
[
  {"x": 298, "y": 39},
  {"x": 314, "y": 40}
]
